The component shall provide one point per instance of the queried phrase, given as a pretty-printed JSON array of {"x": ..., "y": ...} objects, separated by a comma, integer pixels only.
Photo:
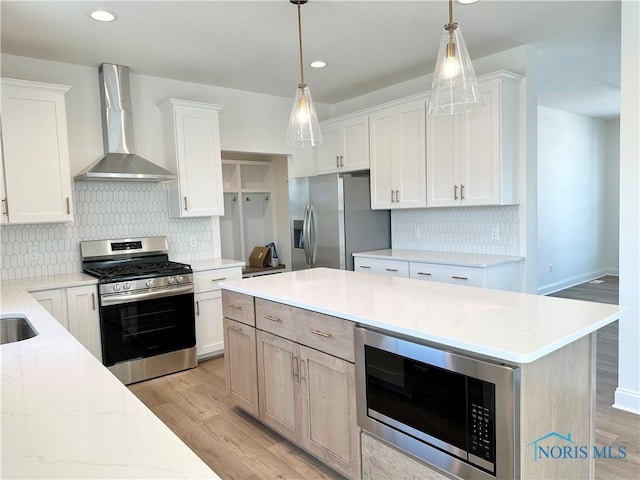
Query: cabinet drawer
[
  {"x": 277, "y": 318},
  {"x": 238, "y": 306},
  {"x": 325, "y": 333},
  {"x": 470, "y": 276},
  {"x": 207, "y": 281},
  {"x": 394, "y": 268}
]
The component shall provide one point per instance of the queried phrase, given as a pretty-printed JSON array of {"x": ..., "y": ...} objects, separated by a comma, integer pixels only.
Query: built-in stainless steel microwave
[{"x": 457, "y": 413}]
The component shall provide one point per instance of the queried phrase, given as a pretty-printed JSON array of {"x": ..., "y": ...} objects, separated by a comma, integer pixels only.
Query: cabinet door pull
[
  {"x": 185, "y": 204},
  {"x": 237, "y": 329},
  {"x": 364, "y": 266},
  {"x": 68, "y": 207},
  {"x": 424, "y": 273},
  {"x": 397, "y": 196},
  {"x": 93, "y": 301},
  {"x": 215, "y": 280},
  {"x": 321, "y": 334},
  {"x": 273, "y": 319},
  {"x": 295, "y": 369},
  {"x": 303, "y": 365},
  {"x": 341, "y": 160},
  {"x": 198, "y": 307},
  {"x": 393, "y": 196},
  {"x": 456, "y": 277},
  {"x": 337, "y": 161},
  {"x": 391, "y": 269},
  {"x": 5, "y": 206},
  {"x": 455, "y": 192},
  {"x": 461, "y": 192},
  {"x": 235, "y": 307}
]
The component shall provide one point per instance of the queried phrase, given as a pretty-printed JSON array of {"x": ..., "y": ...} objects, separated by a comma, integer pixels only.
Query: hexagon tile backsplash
[
  {"x": 459, "y": 229},
  {"x": 101, "y": 211}
]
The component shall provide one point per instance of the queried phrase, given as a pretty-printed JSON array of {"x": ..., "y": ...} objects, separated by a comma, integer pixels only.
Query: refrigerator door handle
[
  {"x": 305, "y": 235},
  {"x": 312, "y": 235}
]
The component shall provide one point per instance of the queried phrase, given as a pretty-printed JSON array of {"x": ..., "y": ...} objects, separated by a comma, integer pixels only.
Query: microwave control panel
[{"x": 481, "y": 420}]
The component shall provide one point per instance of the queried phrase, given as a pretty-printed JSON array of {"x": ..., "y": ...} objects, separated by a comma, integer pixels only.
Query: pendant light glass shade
[
  {"x": 455, "y": 87},
  {"x": 304, "y": 129}
]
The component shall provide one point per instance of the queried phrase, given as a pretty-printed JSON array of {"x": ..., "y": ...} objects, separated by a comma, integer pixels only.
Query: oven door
[{"x": 144, "y": 328}]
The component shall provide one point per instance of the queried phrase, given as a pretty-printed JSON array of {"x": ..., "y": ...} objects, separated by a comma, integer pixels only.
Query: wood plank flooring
[{"x": 236, "y": 446}]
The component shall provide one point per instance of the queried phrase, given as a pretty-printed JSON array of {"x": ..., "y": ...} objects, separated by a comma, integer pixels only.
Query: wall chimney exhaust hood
[{"x": 119, "y": 163}]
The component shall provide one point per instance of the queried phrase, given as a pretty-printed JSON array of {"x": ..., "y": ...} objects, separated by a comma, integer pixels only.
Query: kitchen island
[
  {"x": 549, "y": 340},
  {"x": 64, "y": 415}
]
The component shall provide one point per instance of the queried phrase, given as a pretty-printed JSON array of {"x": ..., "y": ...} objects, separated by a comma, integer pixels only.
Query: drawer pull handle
[
  {"x": 235, "y": 307},
  {"x": 295, "y": 369},
  {"x": 237, "y": 329},
  {"x": 273, "y": 319},
  {"x": 424, "y": 273},
  {"x": 364, "y": 266},
  {"x": 391, "y": 269},
  {"x": 218, "y": 279},
  {"x": 321, "y": 334},
  {"x": 456, "y": 277}
]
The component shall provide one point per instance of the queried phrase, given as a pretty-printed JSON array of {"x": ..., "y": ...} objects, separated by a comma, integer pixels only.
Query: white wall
[
  {"x": 611, "y": 230},
  {"x": 573, "y": 199},
  {"x": 627, "y": 396}
]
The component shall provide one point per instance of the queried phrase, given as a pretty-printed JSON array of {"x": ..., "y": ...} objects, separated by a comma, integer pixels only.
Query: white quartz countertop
[
  {"x": 64, "y": 415},
  {"x": 212, "y": 264},
  {"x": 49, "y": 282},
  {"x": 513, "y": 327},
  {"x": 447, "y": 258}
]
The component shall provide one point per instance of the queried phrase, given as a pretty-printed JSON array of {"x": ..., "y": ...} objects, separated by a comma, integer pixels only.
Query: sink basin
[{"x": 14, "y": 328}]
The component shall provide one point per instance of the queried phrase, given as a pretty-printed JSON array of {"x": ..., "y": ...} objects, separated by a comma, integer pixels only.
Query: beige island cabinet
[{"x": 291, "y": 361}]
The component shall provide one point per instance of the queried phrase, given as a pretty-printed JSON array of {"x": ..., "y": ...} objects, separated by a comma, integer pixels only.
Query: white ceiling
[{"x": 252, "y": 45}]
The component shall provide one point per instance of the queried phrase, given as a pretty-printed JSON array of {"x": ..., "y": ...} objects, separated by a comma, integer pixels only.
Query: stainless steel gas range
[{"x": 147, "y": 319}]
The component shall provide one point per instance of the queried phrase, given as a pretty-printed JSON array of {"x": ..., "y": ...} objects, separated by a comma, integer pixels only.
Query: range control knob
[
  {"x": 116, "y": 287},
  {"x": 180, "y": 279},
  {"x": 151, "y": 282},
  {"x": 126, "y": 286},
  {"x": 171, "y": 280}
]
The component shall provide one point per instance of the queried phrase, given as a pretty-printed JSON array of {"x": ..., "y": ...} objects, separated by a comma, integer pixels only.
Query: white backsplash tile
[
  {"x": 101, "y": 211},
  {"x": 459, "y": 229}
]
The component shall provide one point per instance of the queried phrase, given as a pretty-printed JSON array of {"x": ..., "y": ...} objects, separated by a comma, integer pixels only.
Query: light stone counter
[
  {"x": 446, "y": 258},
  {"x": 212, "y": 264},
  {"x": 64, "y": 415},
  {"x": 508, "y": 326}
]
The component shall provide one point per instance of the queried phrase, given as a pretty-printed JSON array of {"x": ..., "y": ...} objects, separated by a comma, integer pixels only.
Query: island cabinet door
[
  {"x": 278, "y": 374},
  {"x": 329, "y": 427},
  {"x": 240, "y": 364}
]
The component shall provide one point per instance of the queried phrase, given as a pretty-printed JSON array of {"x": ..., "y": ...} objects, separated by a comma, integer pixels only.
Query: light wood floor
[{"x": 194, "y": 405}]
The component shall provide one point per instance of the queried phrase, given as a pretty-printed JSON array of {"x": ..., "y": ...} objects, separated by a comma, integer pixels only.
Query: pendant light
[
  {"x": 304, "y": 129},
  {"x": 455, "y": 87}
]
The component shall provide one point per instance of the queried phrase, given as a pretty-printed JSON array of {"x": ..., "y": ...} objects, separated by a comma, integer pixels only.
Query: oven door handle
[{"x": 107, "y": 300}]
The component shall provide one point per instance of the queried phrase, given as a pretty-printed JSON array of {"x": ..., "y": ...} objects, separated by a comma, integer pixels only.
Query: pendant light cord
[{"x": 300, "y": 46}]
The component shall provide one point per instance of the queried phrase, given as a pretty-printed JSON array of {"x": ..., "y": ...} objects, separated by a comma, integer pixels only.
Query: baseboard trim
[
  {"x": 577, "y": 280},
  {"x": 627, "y": 400}
]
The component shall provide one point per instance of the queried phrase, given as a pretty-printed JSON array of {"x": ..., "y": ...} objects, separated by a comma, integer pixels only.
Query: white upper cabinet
[
  {"x": 37, "y": 181},
  {"x": 397, "y": 146},
  {"x": 345, "y": 146},
  {"x": 192, "y": 149},
  {"x": 472, "y": 158}
]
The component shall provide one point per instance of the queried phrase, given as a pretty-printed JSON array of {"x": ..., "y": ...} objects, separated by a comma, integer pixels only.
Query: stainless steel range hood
[{"x": 119, "y": 164}]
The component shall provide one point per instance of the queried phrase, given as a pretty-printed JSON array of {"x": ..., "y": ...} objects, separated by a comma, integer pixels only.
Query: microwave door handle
[{"x": 312, "y": 231}]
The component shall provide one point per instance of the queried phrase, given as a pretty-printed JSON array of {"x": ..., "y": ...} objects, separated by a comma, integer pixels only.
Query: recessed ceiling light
[
  {"x": 318, "y": 64},
  {"x": 103, "y": 16}
]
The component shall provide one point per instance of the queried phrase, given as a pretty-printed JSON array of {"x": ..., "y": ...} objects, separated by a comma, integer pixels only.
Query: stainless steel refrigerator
[{"x": 331, "y": 218}]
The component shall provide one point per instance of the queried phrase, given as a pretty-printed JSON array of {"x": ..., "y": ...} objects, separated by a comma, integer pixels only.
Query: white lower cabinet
[
  {"x": 76, "y": 308},
  {"x": 208, "y": 309},
  {"x": 393, "y": 268}
]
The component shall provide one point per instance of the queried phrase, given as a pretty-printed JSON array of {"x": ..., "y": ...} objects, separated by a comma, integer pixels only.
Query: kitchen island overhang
[{"x": 513, "y": 327}]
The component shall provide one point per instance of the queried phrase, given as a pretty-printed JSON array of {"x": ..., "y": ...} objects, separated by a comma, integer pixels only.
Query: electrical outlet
[
  {"x": 193, "y": 241},
  {"x": 33, "y": 253},
  {"x": 495, "y": 233}
]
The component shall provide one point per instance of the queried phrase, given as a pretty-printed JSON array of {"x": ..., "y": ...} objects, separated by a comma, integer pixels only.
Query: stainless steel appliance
[
  {"x": 455, "y": 412},
  {"x": 331, "y": 218},
  {"x": 147, "y": 320}
]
